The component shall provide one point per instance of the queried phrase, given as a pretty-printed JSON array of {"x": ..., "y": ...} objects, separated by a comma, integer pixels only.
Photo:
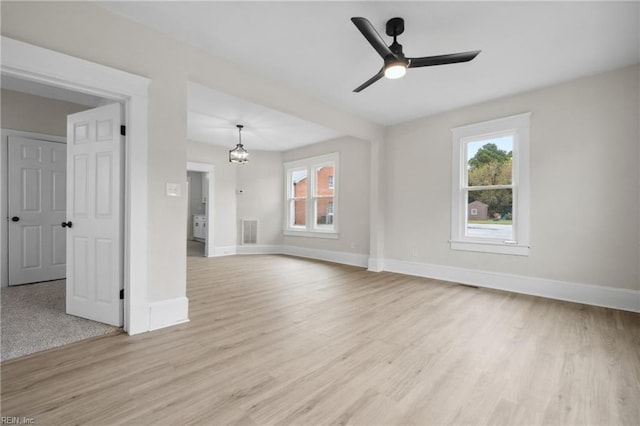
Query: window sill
[
  {"x": 489, "y": 247},
  {"x": 313, "y": 234}
]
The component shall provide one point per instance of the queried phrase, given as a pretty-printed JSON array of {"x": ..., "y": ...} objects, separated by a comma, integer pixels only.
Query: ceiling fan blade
[
  {"x": 372, "y": 36},
  {"x": 370, "y": 81},
  {"x": 452, "y": 58}
]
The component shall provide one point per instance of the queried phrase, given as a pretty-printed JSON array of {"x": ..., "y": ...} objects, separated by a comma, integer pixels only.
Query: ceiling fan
[{"x": 395, "y": 63}]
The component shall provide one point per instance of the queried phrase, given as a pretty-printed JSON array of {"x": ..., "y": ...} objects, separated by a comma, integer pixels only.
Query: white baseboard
[
  {"x": 166, "y": 313},
  {"x": 258, "y": 249},
  {"x": 617, "y": 298},
  {"x": 375, "y": 265},
  {"x": 224, "y": 251},
  {"x": 354, "y": 259},
  {"x": 140, "y": 322}
]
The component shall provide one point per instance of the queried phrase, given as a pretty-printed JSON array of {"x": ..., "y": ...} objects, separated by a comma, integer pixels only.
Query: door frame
[
  {"x": 34, "y": 63},
  {"x": 208, "y": 171}
]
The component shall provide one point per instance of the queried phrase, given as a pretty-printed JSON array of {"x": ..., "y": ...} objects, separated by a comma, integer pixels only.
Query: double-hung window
[
  {"x": 490, "y": 192},
  {"x": 311, "y": 196}
]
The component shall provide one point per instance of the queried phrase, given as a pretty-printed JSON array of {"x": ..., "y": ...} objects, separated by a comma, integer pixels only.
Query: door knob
[
  {"x": 15, "y": 219},
  {"x": 67, "y": 224}
]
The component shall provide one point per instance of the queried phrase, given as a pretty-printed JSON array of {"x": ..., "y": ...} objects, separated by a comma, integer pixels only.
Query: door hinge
[
  {"x": 123, "y": 130},
  {"x": 122, "y": 294}
]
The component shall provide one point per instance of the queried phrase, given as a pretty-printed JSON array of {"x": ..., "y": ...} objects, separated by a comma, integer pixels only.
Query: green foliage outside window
[{"x": 492, "y": 166}]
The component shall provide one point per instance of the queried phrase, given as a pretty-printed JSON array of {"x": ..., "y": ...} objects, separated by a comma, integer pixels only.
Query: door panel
[
  {"x": 37, "y": 199},
  {"x": 80, "y": 266},
  {"x": 59, "y": 202},
  {"x": 31, "y": 246},
  {"x": 31, "y": 191},
  {"x": 80, "y": 185},
  {"x": 95, "y": 208},
  {"x": 104, "y": 179}
]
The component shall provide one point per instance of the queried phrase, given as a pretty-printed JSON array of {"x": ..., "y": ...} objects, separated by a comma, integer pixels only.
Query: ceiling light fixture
[
  {"x": 239, "y": 154},
  {"x": 395, "y": 69}
]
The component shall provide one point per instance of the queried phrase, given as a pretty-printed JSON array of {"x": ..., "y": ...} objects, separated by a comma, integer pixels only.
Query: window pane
[
  {"x": 298, "y": 212},
  {"x": 489, "y": 214},
  {"x": 298, "y": 198},
  {"x": 489, "y": 161},
  {"x": 299, "y": 184},
  {"x": 324, "y": 211},
  {"x": 325, "y": 181}
]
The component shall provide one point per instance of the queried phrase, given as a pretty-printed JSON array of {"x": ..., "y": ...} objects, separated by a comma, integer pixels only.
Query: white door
[
  {"x": 95, "y": 214},
  {"x": 36, "y": 206}
]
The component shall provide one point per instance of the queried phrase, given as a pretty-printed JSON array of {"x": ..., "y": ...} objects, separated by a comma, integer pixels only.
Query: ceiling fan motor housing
[{"x": 395, "y": 27}]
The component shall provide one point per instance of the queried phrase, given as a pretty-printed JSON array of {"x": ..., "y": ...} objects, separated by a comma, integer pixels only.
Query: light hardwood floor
[{"x": 282, "y": 340}]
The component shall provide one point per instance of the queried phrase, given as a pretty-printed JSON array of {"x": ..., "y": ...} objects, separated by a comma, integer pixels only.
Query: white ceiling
[
  {"x": 213, "y": 117},
  {"x": 314, "y": 47}
]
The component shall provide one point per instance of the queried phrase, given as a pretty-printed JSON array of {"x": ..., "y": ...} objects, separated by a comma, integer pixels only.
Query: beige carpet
[{"x": 34, "y": 319}]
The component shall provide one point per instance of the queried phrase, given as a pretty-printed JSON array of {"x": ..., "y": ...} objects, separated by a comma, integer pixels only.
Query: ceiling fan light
[{"x": 395, "y": 70}]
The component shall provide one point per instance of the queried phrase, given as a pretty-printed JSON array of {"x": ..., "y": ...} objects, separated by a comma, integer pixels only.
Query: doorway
[
  {"x": 196, "y": 213},
  {"x": 200, "y": 220},
  {"x": 34, "y": 179}
]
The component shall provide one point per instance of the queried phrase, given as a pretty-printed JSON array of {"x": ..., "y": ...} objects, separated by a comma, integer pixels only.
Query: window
[
  {"x": 311, "y": 196},
  {"x": 490, "y": 193}
]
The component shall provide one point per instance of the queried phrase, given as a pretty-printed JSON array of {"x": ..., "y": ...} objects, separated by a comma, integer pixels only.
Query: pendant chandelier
[{"x": 239, "y": 154}]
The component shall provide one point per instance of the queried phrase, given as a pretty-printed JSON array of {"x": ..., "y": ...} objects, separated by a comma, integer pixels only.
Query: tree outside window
[{"x": 489, "y": 178}]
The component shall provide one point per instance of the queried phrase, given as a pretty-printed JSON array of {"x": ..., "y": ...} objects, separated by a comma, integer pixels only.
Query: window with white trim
[
  {"x": 490, "y": 192},
  {"x": 311, "y": 196}
]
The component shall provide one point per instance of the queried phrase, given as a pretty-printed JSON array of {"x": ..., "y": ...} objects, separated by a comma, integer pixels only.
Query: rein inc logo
[{"x": 6, "y": 420}]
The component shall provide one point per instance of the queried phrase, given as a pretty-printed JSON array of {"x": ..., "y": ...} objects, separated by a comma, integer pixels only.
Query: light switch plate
[{"x": 173, "y": 189}]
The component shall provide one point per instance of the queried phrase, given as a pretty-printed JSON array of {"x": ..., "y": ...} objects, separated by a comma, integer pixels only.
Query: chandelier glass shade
[{"x": 239, "y": 154}]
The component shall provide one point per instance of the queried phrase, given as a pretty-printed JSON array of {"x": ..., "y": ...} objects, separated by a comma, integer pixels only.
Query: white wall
[
  {"x": 353, "y": 193},
  {"x": 584, "y": 184},
  {"x": 262, "y": 190},
  {"x": 261, "y": 183},
  {"x": 29, "y": 113}
]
